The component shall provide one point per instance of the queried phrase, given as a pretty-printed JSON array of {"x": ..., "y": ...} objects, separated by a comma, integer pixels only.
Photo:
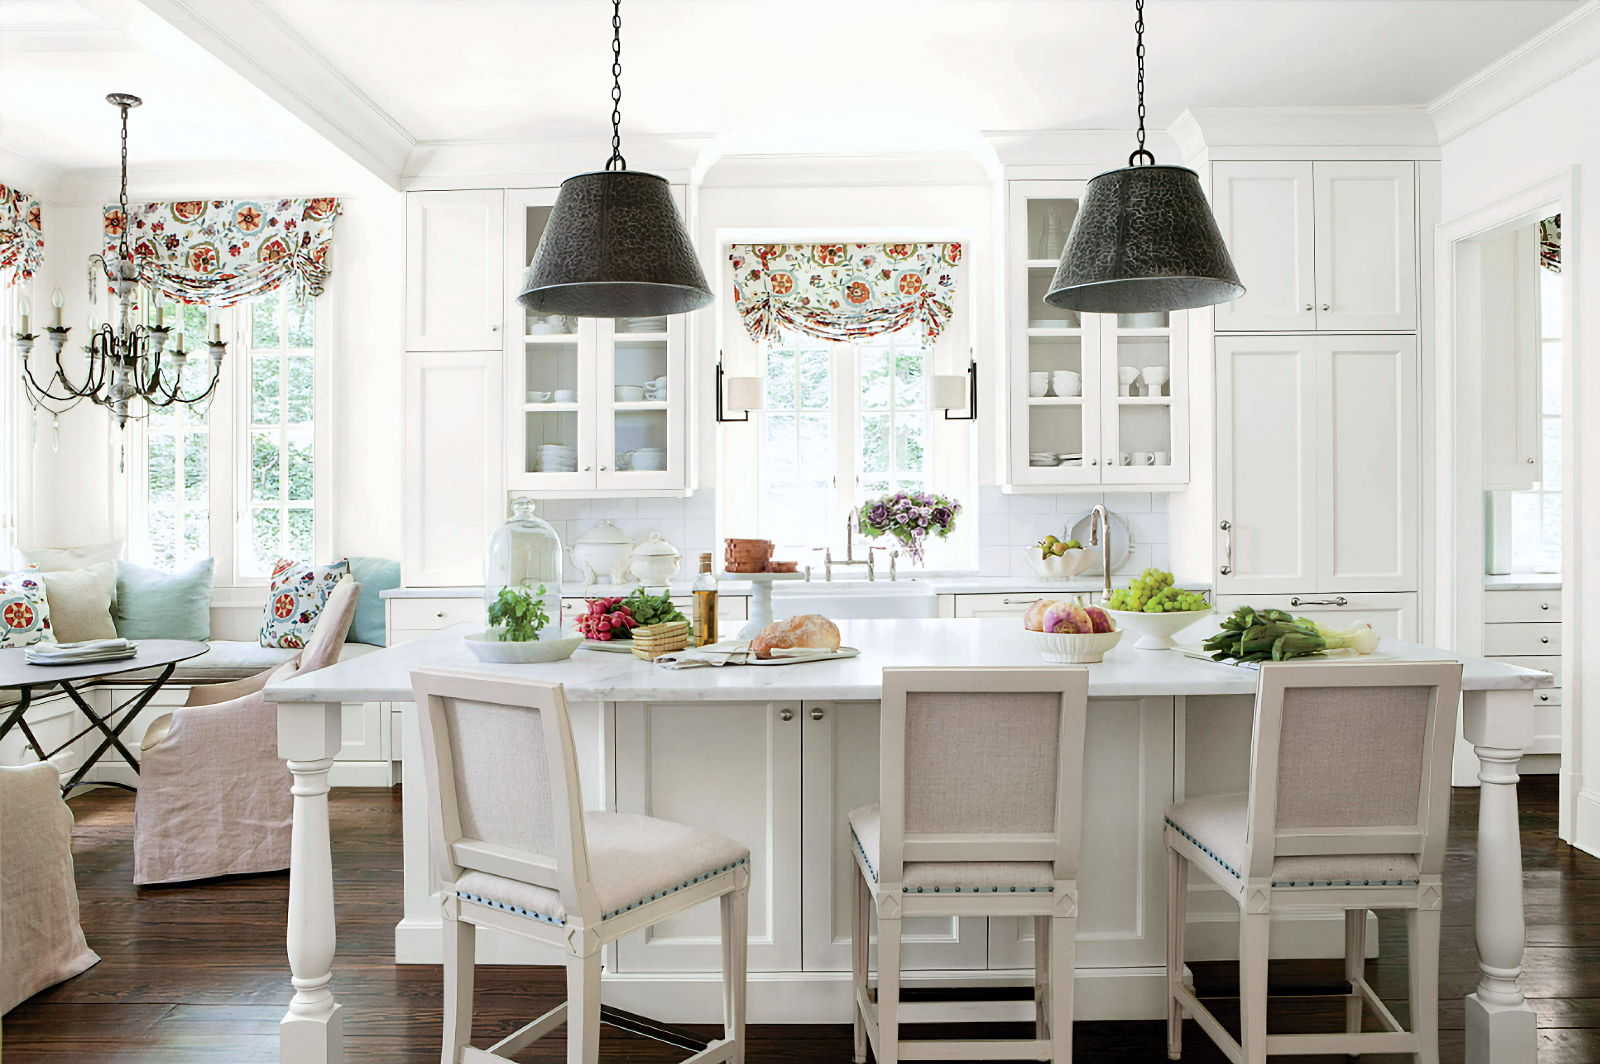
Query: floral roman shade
[
  {"x": 222, "y": 252},
  {"x": 1550, "y": 244},
  {"x": 844, "y": 291},
  {"x": 21, "y": 235}
]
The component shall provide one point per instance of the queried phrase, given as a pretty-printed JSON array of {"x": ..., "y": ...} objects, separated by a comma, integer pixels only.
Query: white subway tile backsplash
[
  {"x": 616, "y": 509},
  {"x": 1145, "y": 528},
  {"x": 700, "y": 533},
  {"x": 994, "y": 560},
  {"x": 1033, "y": 504},
  {"x": 1136, "y": 502},
  {"x": 660, "y": 508}
]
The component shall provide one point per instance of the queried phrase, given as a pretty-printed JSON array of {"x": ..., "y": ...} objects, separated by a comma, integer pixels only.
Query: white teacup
[
  {"x": 1126, "y": 375},
  {"x": 1038, "y": 383},
  {"x": 565, "y": 395},
  {"x": 1123, "y": 458},
  {"x": 538, "y": 397},
  {"x": 629, "y": 393},
  {"x": 1066, "y": 382},
  {"x": 1163, "y": 458},
  {"x": 1144, "y": 458},
  {"x": 1155, "y": 377}
]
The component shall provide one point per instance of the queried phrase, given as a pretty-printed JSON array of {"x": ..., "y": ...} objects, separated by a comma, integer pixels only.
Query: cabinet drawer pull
[
  {"x": 1544, "y": 698},
  {"x": 439, "y": 614},
  {"x": 1227, "y": 564},
  {"x": 1339, "y": 601},
  {"x": 1544, "y": 639},
  {"x": 1544, "y": 605},
  {"x": 786, "y": 714},
  {"x": 1018, "y": 601},
  {"x": 816, "y": 713}
]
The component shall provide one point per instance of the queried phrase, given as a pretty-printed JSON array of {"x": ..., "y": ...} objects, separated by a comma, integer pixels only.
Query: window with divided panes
[{"x": 176, "y": 467}]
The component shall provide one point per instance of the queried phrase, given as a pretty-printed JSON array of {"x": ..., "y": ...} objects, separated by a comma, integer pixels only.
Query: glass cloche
[{"x": 525, "y": 552}]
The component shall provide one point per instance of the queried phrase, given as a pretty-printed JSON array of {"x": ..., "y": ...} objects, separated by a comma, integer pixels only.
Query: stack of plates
[
  {"x": 556, "y": 458},
  {"x": 1043, "y": 458},
  {"x": 1072, "y": 459},
  {"x": 643, "y": 325}
]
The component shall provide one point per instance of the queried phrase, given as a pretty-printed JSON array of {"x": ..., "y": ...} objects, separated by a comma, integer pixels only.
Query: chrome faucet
[
  {"x": 1100, "y": 535},
  {"x": 851, "y": 522}
]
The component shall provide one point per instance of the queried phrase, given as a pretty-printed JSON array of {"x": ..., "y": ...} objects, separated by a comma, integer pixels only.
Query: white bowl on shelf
[
  {"x": 1156, "y": 629},
  {"x": 1064, "y": 648},
  {"x": 1060, "y": 566}
]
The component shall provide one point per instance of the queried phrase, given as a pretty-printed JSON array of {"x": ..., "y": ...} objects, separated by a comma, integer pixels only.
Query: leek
[{"x": 1249, "y": 634}]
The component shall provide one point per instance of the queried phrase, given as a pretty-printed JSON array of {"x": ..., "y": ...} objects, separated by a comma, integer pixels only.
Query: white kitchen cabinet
[
  {"x": 1265, "y": 212},
  {"x": 454, "y": 493},
  {"x": 733, "y": 768},
  {"x": 840, "y": 757},
  {"x": 454, "y": 265},
  {"x": 1509, "y": 356},
  {"x": 1327, "y": 246},
  {"x": 1392, "y": 616},
  {"x": 1366, "y": 215},
  {"x": 1524, "y": 628},
  {"x": 1007, "y": 605},
  {"x": 1317, "y": 444},
  {"x": 1083, "y": 412},
  {"x": 603, "y": 424}
]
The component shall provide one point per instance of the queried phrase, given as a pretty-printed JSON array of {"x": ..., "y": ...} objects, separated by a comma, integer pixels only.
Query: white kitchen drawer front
[
  {"x": 435, "y": 613},
  {"x": 1012, "y": 605},
  {"x": 1504, "y": 606},
  {"x": 1392, "y": 616},
  {"x": 1531, "y": 639}
]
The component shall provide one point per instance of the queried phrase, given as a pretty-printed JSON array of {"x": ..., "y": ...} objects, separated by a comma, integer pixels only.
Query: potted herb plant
[{"x": 516, "y": 633}]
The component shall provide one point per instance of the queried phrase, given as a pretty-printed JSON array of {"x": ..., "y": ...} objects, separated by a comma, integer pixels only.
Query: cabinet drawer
[
  {"x": 1522, "y": 639},
  {"x": 1392, "y": 616},
  {"x": 1552, "y": 665},
  {"x": 1504, "y": 606},
  {"x": 435, "y": 613},
  {"x": 1011, "y": 605}
]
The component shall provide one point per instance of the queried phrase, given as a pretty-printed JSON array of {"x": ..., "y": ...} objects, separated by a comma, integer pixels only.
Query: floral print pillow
[
  {"x": 295, "y": 598},
  {"x": 24, "y": 611}
]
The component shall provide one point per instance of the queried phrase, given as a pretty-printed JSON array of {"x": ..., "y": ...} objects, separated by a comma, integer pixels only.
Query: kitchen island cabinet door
[
  {"x": 732, "y": 768},
  {"x": 1267, "y": 441},
  {"x": 840, "y": 755}
]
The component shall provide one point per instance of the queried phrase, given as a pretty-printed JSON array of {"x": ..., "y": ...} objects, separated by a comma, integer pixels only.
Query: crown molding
[
  {"x": 846, "y": 170},
  {"x": 1086, "y": 152},
  {"x": 33, "y": 177},
  {"x": 456, "y": 164},
  {"x": 200, "y": 179},
  {"x": 1305, "y": 133},
  {"x": 1537, "y": 63}
]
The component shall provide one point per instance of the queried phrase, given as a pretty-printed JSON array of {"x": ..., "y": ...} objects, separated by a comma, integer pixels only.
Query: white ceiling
[
  {"x": 762, "y": 76},
  {"x": 819, "y": 75}
]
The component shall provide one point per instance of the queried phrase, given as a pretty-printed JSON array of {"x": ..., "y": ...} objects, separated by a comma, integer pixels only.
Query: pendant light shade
[
  {"x": 614, "y": 247},
  {"x": 1144, "y": 240}
]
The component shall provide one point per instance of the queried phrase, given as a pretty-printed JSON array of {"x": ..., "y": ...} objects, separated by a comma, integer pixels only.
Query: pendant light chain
[
  {"x": 616, "y": 88},
  {"x": 1138, "y": 32},
  {"x": 122, "y": 198}
]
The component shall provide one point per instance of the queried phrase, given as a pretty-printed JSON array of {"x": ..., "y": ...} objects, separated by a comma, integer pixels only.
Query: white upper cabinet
[
  {"x": 454, "y": 261},
  {"x": 1265, "y": 213},
  {"x": 1266, "y": 464},
  {"x": 1366, "y": 246},
  {"x": 1329, "y": 246}
]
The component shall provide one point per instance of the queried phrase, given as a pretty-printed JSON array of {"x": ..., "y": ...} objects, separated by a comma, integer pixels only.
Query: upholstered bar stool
[
  {"x": 981, "y": 785},
  {"x": 516, "y": 851},
  {"x": 1348, "y": 809}
]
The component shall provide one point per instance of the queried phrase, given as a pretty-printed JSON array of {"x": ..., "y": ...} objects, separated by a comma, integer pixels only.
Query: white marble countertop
[
  {"x": 610, "y": 677},
  {"x": 953, "y": 584},
  {"x": 1522, "y": 582}
]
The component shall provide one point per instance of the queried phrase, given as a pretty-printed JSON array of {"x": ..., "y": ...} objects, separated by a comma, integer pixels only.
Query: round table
[{"x": 17, "y": 672}]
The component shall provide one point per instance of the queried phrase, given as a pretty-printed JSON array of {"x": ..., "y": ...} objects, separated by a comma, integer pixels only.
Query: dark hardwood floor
[{"x": 198, "y": 972}]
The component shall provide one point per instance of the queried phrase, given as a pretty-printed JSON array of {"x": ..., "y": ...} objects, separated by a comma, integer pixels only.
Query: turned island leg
[
  {"x": 309, "y": 735},
  {"x": 1501, "y": 1026}
]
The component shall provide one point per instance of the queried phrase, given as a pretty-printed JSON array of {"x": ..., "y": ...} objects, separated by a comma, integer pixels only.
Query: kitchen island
[{"x": 776, "y": 756}]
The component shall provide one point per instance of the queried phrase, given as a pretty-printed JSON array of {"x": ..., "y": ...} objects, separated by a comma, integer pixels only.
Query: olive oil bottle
[{"x": 705, "y": 604}]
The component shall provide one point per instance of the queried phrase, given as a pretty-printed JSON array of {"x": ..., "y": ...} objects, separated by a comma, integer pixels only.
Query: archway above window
[{"x": 844, "y": 291}]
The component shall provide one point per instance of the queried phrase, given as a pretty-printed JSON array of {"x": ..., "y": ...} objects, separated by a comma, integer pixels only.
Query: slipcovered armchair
[{"x": 213, "y": 793}]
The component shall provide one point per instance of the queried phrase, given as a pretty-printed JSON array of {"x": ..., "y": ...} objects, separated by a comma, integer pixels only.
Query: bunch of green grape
[{"x": 1154, "y": 592}]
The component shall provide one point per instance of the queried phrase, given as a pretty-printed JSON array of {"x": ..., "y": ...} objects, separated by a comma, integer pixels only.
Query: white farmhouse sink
[{"x": 855, "y": 599}]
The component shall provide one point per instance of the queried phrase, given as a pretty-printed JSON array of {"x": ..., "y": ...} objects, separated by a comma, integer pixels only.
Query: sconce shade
[
  {"x": 744, "y": 393},
  {"x": 614, "y": 247},
  {"x": 949, "y": 393},
  {"x": 1144, "y": 240}
]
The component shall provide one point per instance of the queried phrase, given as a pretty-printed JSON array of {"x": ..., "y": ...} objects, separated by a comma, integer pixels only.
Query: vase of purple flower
[{"x": 911, "y": 517}]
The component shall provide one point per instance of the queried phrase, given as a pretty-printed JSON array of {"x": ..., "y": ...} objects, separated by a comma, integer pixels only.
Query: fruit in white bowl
[
  {"x": 1156, "y": 608},
  {"x": 1069, "y": 633},
  {"x": 1059, "y": 559}
]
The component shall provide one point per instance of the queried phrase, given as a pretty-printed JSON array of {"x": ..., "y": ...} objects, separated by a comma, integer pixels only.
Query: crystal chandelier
[{"x": 129, "y": 362}]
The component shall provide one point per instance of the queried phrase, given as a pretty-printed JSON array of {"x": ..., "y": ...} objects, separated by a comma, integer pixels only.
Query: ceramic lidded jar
[
  {"x": 525, "y": 553},
  {"x": 655, "y": 561},
  {"x": 604, "y": 551}
]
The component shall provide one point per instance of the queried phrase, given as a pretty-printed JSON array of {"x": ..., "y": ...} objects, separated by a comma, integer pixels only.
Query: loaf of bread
[
  {"x": 811, "y": 630},
  {"x": 746, "y": 555}
]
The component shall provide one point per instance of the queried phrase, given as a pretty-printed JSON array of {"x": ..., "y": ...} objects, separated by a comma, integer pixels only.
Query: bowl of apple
[
  {"x": 1059, "y": 559},
  {"x": 1069, "y": 633}
]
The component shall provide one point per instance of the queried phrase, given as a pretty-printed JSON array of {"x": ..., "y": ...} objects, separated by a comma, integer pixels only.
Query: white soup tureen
[
  {"x": 655, "y": 561},
  {"x": 603, "y": 552}
]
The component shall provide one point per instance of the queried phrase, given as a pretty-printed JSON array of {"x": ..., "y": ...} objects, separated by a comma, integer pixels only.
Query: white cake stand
[{"x": 760, "y": 598}]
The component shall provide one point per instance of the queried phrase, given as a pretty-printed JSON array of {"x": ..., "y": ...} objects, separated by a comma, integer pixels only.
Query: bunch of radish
[{"x": 607, "y": 619}]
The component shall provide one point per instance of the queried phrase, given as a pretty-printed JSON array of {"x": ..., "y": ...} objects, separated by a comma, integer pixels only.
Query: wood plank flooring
[{"x": 197, "y": 972}]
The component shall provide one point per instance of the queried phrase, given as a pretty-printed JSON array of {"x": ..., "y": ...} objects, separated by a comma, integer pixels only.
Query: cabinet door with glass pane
[
  {"x": 1055, "y": 364},
  {"x": 1144, "y": 397},
  {"x": 640, "y": 404}
]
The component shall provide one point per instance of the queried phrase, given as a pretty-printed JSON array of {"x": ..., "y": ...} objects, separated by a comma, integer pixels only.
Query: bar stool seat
[
  {"x": 1218, "y": 824},
  {"x": 958, "y": 877},
  {"x": 632, "y": 859}
]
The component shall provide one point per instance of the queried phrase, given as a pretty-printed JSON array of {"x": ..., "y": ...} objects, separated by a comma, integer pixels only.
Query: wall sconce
[
  {"x": 743, "y": 393},
  {"x": 952, "y": 392}
]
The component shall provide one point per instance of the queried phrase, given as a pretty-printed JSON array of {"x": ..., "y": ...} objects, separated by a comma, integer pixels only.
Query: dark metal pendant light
[
  {"x": 615, "y": 246},
  {"x": 1144, "y": 239}
]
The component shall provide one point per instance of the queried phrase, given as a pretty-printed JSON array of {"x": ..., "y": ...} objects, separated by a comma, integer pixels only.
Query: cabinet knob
[
  {"x": 1530, "y": 461},
  {"x": 1544, "y": 698},
  {"x": 1324, "y": 306},
  {"x": 439, "y": 614},
  {"x": 1544, "y": 605},
  {"x": 1094, "y": 461},
  {"x": 602, "y": 469},
  {"x": 1308, "y": 306},
  {"x": 1544, "y": 639},
  {"x": 786, "y": 714},
  {"x": 816, "y": 713},
  {"x": 587, "y": 468},
  {"x": 494, "y": 328}
]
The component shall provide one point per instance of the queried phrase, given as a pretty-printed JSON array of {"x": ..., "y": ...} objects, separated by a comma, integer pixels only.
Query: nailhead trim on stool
[
  {"x": 520, "y": 911},
  {"x": 873, "y": 872}
]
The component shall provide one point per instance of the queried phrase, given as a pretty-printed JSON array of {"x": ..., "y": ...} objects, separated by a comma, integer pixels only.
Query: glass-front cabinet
[
  {"x": 595, "y": 406},
  {"x": 1093, "y": 398}
]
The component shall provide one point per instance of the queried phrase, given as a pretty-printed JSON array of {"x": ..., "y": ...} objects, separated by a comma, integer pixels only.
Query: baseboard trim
[{"x": 1586, "y": 823}]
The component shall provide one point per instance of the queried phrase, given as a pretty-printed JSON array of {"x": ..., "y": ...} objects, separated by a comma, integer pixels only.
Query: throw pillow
[
  {"x": 152, "y": 604},
  {"x": 294, "y": 598},
  {"x": 56, "y": 559},
  {"x": 24, "y": 611},
  {"x": 80, "y": 602},
  {"x": 375, "y": 575}
]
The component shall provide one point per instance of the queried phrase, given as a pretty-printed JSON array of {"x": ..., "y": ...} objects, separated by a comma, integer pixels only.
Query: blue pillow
[
  {"x": 375, "y": 575},
  {"x": 152, "y": 604}
]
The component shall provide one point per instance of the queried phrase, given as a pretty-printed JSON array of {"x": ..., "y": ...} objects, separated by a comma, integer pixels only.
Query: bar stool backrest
[
  {"x": 982, "y": 765},
  {"x": 503, "y": 785},
  {"x": 1352, "y": 758}
]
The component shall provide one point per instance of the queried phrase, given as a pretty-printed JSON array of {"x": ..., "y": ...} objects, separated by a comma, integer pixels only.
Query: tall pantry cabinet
[{"x": 1317, "y": 378}]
